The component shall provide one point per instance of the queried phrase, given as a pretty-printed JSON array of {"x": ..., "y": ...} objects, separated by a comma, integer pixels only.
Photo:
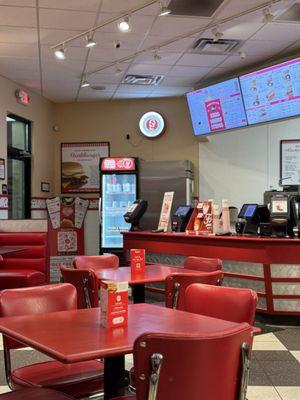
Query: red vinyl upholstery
[
  {"x": 96, "y": 262},
  {"x": 203, "y": 264},
  {"x": 193, "y": 367},
  {"x": 29, "y": 267},
  {"x": 78, "y": 379},
  {"x": 86, "y": 285},
  {"x": 231, "y": 304},
  {"x": 176, "y": 285},
  {"x": 35, "y": 394}
]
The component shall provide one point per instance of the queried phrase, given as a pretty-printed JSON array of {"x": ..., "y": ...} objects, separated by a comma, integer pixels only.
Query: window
[{"x": 18, "y": 167}]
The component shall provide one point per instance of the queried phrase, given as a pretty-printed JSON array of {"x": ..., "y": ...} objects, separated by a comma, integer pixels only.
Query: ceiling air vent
[
  {"x": 143, "y": 79},
  {"x": 209, "y": 46}
]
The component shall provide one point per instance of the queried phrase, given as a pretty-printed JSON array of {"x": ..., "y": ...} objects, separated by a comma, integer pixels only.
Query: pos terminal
[
  {"x": 253, "y": 215},
  {"x": 181, "y": 218}
]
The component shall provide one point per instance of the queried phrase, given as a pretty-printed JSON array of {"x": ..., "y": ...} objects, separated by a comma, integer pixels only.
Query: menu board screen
[
  {"x": 272, "y": 93},
  {"x": 217, "y": 107}
]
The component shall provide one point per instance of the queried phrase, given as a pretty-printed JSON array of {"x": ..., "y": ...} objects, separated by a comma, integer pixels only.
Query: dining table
[
  {"x": 77, "y": 335},
  {"x": 154, "y": 273}
]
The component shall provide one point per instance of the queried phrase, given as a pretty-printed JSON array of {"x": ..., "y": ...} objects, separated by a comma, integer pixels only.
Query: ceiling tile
[
  {"x": 201, "y": 60},
  {"x": 264, "y": 47},
  {"x": 177, "y": 25},
  {"x": 129, "y": 41},
  {"x": 120, "y": 6},
  {"x": 237, "y": 29},
  {"x": 79, "y": 5},
  {"x": 18, "y": 50},
  {"x": 146, "y": 89},
  {"x": 139, "y": 25},
  {"x": 130, "y": 95},
  {"x": 178, "y": 46},
  {"x": 178, "y": 81},
  {"x": 60, "y": 19},
  {"x": 104, "y": 79},
  {"x": 17, "y": 16},
  {"x": 51, "y": 37},
  {"x": 18, "y": 35},
  {"x": 191, "y": 72},
  {"x": 108, "y": 54},
  {"x": 284, "y": 31},
  {"x": 149, "y": 69},
  {"x": 166, "y": 58},
  {"x": 24, "y": 3},
  {"x": 95, "y": 95}
]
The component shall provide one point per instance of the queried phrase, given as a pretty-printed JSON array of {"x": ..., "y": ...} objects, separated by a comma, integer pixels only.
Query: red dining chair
[
  {"x": 35, "y": 394},
  {"x": 203, "y": 264},
  {"x": 86, "y": 285},
  {"x": 231, "y": 304},
  {"x": 96, "y": 262},
  {"x": 176, "y": 285},
  {"x": 206, "y": 367},
  {"x": 80, "y": 379}
]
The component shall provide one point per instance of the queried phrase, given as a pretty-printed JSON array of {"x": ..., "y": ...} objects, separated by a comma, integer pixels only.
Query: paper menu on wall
[
  {"x": 53, "y": 207},
  {"x": 165, "y": 214},
  {"x": 81, "y": 207}
]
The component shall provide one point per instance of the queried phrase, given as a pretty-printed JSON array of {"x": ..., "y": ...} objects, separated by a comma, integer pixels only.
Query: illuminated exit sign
[{"x": 22, "y": 97}]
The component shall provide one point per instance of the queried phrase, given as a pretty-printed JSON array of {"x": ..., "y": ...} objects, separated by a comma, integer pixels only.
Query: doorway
[{"x": 18, "y": 167}]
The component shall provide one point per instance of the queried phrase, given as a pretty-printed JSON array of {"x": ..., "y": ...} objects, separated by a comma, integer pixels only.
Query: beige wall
[
  {"x": 112, "y": 120},
  {"x": 40, "y": 112}
]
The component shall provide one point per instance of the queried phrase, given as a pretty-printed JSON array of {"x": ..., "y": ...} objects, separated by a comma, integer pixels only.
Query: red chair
[
  {"x": 96, "y": 262},
  {"x": 80, "y": 379},
  {"x": 231, "y": 304},
  {"x": 86, "y": 285},
  {"x": 203, "y": 264},
  {"x": 176, "y": 285},
  {"x": 35, "y": 394},
  {"x": 172, "y": 366}
]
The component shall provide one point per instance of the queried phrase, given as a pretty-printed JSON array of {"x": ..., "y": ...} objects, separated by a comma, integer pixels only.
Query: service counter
[{"x": 269, "y": 266}]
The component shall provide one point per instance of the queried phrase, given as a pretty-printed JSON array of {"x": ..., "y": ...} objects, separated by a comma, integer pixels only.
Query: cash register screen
[
  {"x": 247, "y": 211},
  {"x": 181, "y": 211},
  {"x": 279, "y": 206}
]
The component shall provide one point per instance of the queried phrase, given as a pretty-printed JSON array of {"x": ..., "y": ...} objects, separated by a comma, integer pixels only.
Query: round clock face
[{"x": 152, "y": 125}]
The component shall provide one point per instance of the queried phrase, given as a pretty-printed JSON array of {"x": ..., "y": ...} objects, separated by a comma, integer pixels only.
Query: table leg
[
  {"x": 114, "y": 377},
  {"x": 138, "y": 293}
]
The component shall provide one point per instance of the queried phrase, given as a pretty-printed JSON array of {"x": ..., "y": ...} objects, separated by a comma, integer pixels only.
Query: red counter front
[{"x": 269, "y": 266}]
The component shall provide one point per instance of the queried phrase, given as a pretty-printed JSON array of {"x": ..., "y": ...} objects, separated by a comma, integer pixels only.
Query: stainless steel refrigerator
[{"x": 158, "y": 177}]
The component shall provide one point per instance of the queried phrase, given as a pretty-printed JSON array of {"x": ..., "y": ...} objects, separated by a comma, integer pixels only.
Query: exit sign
[{"x": 22, "y": 97}]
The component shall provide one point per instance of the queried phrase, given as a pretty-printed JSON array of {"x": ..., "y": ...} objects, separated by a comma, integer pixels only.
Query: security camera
[{"x": 117, "y": 44}]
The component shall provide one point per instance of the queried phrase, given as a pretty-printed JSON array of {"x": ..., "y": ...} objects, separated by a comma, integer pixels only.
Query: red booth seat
[{"x": 29, "y": 267}]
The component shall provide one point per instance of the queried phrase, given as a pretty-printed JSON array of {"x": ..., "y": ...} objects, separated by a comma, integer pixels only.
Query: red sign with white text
[
  {"x": 118, "y": 164},
  {"x": 114, "y": 304},
  {"x": 137, "y": 261},
  {"x": 215, "y": 115}
]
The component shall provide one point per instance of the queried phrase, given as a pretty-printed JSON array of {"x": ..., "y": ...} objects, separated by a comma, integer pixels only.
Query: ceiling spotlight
[
  {"x": 164, "y": 10},
  {"x": 124, "y": 25},
  {"x": 217, "y": 35},
  {"x": 85, "y": 83},
  {"x": 60, "y": 53},
  {"x": 268, "y": 16},
  {"x": 242, "y": 54},
  {"x": 156, "y": 56},
  {"x": 90, "y": 42}
]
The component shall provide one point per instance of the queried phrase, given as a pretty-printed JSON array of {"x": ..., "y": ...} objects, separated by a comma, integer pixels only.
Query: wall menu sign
[
  {"x": 152, "y": 124},
  {"x": 2, "y": 168},
  {"x": 80, "y": 166},
  {"x": 290, "y": 162}
]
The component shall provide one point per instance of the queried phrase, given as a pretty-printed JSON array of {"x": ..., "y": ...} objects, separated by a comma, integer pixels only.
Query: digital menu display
[
  {"x": 272, "y": 93},
  {"x": 217, "y": 107}
]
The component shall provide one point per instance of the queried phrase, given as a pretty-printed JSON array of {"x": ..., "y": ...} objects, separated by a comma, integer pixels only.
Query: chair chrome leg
[
  {"x": 156, "y": 362},
  {"x": 245, "y": 371}
]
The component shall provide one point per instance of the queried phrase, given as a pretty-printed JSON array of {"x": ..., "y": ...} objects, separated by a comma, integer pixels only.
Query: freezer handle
[{"x": 99, "y": 210}]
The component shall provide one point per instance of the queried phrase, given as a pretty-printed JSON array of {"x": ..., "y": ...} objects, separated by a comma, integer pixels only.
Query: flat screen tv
[
  {"x": 217, "y": 107},
  {"x": 272, "y": 93}
]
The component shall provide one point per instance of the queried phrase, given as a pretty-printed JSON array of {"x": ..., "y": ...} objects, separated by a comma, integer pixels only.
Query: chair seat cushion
[
  {"x": 78, "y": 379},
  {"x": 17, "y": 278},
  {"x": 130, "y": 397},
  {"x": 35, "y": 394}
]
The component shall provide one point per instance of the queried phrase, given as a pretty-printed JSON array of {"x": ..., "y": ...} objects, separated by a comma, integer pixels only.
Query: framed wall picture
[
  {"x": 2, "y": 168},
  {"x": 45, "y": 186},
  {"x": 80, "y": 166}
]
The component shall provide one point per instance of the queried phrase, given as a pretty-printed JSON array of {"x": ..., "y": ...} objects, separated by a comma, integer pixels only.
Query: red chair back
[
  {"x": 231, "y": 304},
  {"x": 192, "y": 367},
  {"x": 176, "y": 285},
  {"x": 36, "y": 300},
  {"x": 35, "y": 394},
  {"x": 86, "y": 285},
  {"x": 96, "y": 262},
  {"x": 203, "y": 264}
]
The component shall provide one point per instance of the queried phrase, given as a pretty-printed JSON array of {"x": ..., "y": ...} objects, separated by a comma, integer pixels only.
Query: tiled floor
[{"x": 275, "y": 365}]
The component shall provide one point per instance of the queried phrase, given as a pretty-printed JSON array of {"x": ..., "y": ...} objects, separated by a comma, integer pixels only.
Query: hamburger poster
[{"x": 80, "y": 166}]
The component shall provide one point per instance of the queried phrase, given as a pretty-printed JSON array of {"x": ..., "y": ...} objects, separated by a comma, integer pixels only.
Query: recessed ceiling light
[
  {"x": 164, "y": 10},
  {"x": 60, "y": 53},
  {"x": 124, "y": 25},
  {"x": 90, "y": 42}
]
